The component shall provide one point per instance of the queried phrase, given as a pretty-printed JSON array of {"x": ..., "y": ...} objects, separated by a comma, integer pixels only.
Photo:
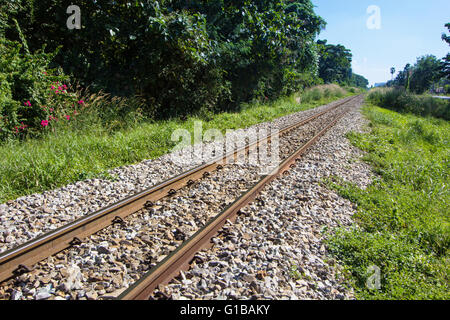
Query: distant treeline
[
  {"x": 335, "y": 65},
  {"x": 426, "y": 73}
]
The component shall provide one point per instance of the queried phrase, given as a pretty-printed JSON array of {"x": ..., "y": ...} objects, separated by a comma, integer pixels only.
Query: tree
[
  {"x": 180, "y": 55},
  {"x": 426, "y": 71},
  {"x": 185, "y": 55},
  {"x": 446, "y": 59},
  {"x": 335, "y": 62},
  {"x": 392, "y": 73},
  {"x": 359, "y": 81},
  {"x": 402, "y": 78}
]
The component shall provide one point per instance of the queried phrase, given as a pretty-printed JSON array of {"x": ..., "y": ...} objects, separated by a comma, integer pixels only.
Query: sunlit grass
[
  {"x": 76, "y": 153},
  {"x": 403, "y": 218}
]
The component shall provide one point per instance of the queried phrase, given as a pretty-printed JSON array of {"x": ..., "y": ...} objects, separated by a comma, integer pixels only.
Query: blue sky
[{"x": 408, "y": 30}]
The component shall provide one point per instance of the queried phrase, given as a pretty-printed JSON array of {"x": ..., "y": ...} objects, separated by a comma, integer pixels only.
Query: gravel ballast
[
  {"x": 275, "y": 249},
  {"x": 28, "y": 217}
]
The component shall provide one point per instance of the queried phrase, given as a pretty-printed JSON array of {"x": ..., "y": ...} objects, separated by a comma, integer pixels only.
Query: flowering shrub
[{"x": 31, "y": 95}]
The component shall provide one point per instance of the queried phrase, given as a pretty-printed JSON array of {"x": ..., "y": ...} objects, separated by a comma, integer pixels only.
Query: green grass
[
  {"x": 88, "y": 150},
  {"x": 402, "y": 221},
  {"x": 405, "y": 102}
]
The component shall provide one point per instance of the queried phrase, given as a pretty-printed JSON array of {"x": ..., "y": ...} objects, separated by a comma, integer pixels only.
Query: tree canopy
[
  {"x": 420, "y": 77},
  {"x": 427, "y": 71},
  {"x": 335, "y": 65},
  {"x": 335, "y": 62}
]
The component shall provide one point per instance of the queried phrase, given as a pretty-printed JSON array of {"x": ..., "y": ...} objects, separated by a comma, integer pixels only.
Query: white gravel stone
[
  {"x": 30, "y": 216},
  {"x": 283, "y": 255},
  {"x": 266, "y": 241}
]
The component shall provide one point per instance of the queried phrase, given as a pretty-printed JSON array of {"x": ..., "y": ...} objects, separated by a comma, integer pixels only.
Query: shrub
[
  {"x": 30, "y": 92},
  {"x": 447, "y": 88},
  {"x": 402, "y": 101}
]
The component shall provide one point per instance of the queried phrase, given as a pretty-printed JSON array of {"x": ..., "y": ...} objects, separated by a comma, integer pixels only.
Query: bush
[
  {"x": 30, "y": 92},
  {"x": 402, "y": 101}
]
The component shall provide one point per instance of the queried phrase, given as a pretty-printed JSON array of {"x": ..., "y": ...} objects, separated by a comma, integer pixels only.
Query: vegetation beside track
[
  {"x": 403, "y": 218},
  {"x": 87, "y": 148},
  {"x": 400, "y": 100}
]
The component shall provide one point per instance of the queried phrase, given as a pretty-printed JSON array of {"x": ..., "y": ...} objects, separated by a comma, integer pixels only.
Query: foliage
[
  {"x": 323, "y": 91},
  {"x": 403, "y": 77},
  {"x": 426, "y": 71},
  {"x": 335, "y": 62},
  {"x": 359, "y": 81},
  {"x": 182, "y": 56},
  {"x": 30, "y": 92},
  {"x": 151, "y": 59},
  {"x": 335, "y": 66},
  {"x": 402, "y": 101},
  {"x": 403, "y": 224}
]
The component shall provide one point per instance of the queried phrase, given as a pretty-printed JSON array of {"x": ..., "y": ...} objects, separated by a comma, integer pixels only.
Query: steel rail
[
  {"x": 19, "y": 260},
  {"x": 180, "y": 259}
]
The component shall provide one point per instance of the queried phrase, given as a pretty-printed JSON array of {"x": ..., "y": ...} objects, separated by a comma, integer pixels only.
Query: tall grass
[
  {"x": 112, "y": 132},
  {"x": 402, "y": 101},
  {"x": 323, "y": 91}
]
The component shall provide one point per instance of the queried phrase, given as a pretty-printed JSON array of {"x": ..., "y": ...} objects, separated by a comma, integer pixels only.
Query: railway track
[{"x": 21, "y": 259}]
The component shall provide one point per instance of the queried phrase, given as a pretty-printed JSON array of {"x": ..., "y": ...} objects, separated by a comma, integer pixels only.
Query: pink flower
[
  {"x": 28, "y": 103},
  {"x": 51, "y": 109},
  {"x": 44, "y": 123},
  {"x": 81, "y": 102},
  {"x": 60, "y": 88},
  {"x": 68, "y": 117},
  {"x": 75, "y": 112},
  {"x": 52, "y": 87}
]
